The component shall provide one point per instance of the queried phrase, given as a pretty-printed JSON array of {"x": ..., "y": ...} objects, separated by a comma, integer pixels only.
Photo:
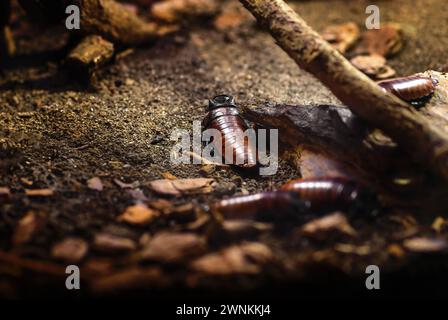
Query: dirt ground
[{"x": 55, "y": 133}]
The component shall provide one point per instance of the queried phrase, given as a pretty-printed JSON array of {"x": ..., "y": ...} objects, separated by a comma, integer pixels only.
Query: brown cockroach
[
  {"x": 413, "y": 89},
  {"x": 223, "y": 115},
  {"x": 326, "y": 194},
  {"x": 270, "y": 205}
]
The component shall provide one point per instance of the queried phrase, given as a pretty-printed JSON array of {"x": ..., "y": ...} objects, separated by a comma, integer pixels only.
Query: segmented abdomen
[{"x": 410, "y": 88}]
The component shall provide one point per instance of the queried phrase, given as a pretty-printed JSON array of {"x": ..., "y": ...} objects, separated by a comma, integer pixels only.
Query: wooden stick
[{"x": 423, "y": 141}]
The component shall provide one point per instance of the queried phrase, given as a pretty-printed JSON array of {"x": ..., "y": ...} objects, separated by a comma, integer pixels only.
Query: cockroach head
[{"x": 221, "y": 101}]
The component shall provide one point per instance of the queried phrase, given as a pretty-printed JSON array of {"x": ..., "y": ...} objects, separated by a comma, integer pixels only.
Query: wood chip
[
  {"x": 439, "y": 224},
  {"x": 173, "y": 247},
  {"x": 176, "y": 10},
  {"x": 342, "y": 36},
  {"x": 108, "y": 243},
  {"x": 182, "y": 186},
  {"x": 425, "y": 245},
  {"x": 243, "y": 259},
  {"x": 95, "y": 183},
  {"x": 4, "y": 193},
  {"x": 39, "y": 192},
  {"x": 70, "y": 250},
  {"x": 27, "y": 227},
  {"x": 138, "y": 214},
  {"x": 332, "y": 222},
  {"x": 169, "y": 176}
]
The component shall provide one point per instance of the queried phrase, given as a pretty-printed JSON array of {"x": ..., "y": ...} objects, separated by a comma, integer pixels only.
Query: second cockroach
[
  {"x": 326, "y": 194},
  {"x": 269, "y": 206},
  {"x": 223, "y": 115},
  {"x": 414, "y": 89}
]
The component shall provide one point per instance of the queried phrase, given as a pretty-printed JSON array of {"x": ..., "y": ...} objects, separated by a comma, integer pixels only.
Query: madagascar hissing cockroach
[
  {"x": 270, "y": 205},
  {"x": 326, "y": 194},
  {"x": 413, "y": 89},
  {"x": 223, "y": 115}
]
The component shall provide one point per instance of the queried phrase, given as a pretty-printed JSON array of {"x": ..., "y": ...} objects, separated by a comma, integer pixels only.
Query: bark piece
[
  {"x": 88, "y": 56},
  {"x": 423, "y": 141},
  {"x": 173, "y": 247}
]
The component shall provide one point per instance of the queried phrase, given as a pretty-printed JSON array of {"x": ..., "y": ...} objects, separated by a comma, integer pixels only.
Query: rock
[
  {"x": 70, "y": 250},
  {"x": 108, "y": 243},
  {"x": 95, "y": 183},
  {"x": 169, "y": 247}
]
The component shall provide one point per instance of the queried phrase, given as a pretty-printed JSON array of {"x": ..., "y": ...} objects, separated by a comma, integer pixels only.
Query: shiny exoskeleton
[
  {"x": 272, "y": 205},
  {"x": 326, "y": 194},
  {"x": 223, "y": 115},
  {"x": 415, "y": 89}
]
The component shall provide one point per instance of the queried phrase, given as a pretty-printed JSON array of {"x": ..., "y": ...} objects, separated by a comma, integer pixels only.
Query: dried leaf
[
  {"x": 314, "y": 164},
  {"x": 173, "y": 247},
  {"x": 229, "y": 20},
  {"x": 124, "y": 185},
  {"x": 138, "y": 214},
  {"x": 182, "y": 186},
  {"x": 386, "y": 41},
  {"x": 169, "y": 176},
  {"x": 332, "y": 222},
  {"x": 425, "y": 245},
  {"x": 342, "y": 36},
  {"x": 39, "y": 192},
  {"x": 95, "y": 184},
  {"x": 243, "y": 259},
  {"x": 71, "y": 250},
  {"x": 108, "y": 243},
  {"x": 373, "y": 65},
  {"x": 395, "y": 250},
  {"x": 27, "y": 227}
]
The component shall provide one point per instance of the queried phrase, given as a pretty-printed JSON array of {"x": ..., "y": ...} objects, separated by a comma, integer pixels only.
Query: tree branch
[{"x": 424, "y": 142}]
